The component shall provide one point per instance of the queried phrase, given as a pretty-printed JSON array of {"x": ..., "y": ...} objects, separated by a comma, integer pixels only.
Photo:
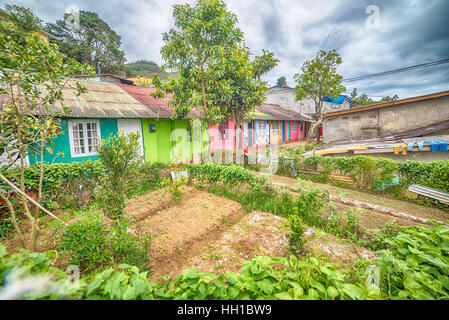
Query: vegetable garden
[{"x": 170, "y": 241}]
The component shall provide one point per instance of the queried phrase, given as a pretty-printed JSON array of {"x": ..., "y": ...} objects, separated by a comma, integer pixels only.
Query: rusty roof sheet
[
  {"x": 160, "y": 107},
  {"x": 389, "y": 104},
  {"x": 102, "y": 100},
  {"x": 426, "y": 130},
  {"x": 275, "y": 112}
]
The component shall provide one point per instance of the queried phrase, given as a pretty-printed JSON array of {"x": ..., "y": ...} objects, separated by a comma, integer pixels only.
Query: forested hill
[{"x": 144, "y": 68}]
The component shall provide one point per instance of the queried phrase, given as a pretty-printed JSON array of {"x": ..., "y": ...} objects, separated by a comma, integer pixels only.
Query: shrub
[
  {"x": 128, "y": 248},
  {"x": 86, "y": 244},
  {"x": 121, "y": 156},
  {"x": 296, "y": 238},
  {"x": 91, "y": 245}
]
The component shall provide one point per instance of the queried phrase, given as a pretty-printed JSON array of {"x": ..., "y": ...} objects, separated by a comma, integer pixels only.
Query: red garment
[{"x": 321, "y": 131}]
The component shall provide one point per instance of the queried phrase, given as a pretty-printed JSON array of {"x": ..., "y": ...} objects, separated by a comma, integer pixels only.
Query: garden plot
[
  {"x": 264, "y": 234},
  {"x": 180, "y": 231},
  {"x": 341, "y": 253},
  {"x": 258, "y": 234},
  {"x": 369, "y": 217}
]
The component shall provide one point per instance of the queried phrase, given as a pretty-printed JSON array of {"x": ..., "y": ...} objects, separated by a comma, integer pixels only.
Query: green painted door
[
  {"x": 288, "y": 130},
  {"x": 163, "y": 131}
]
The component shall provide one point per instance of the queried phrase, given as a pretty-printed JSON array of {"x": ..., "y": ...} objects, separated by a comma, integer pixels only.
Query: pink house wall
[
  {"x": 217, "y": 143},
  {"x": 294, "y": 134}
]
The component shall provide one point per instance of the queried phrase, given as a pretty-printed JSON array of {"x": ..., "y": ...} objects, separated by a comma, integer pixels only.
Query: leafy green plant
[
  {"x": 86, "y": 244},
  {"x": 121, "y": 155},
  {"x": 128, "y": 248},
  {"x": 296, "y": 238},
  {"x": 415, "y": 264}
]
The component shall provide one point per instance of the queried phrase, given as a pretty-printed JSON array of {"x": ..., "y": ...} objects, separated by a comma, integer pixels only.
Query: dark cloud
[{"x": 411, "y": 32}]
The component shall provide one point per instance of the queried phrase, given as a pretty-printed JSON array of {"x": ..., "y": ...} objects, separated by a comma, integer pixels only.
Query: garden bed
[{"x": 180, "y": 231}]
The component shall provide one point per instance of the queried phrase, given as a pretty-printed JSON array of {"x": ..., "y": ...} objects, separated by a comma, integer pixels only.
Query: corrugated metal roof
[
  {"x": 389, "y": 104},
  {"x": 275, "y": 112},
  {"x": 102, "y": 100},
  {"x": 160, "y": 107}
]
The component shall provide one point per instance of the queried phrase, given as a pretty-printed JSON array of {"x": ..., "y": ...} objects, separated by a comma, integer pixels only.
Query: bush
[
  {"x": 91, "y": 245},
  {"x": 296, "y": 238},
  {"x": 367, "y": 171},
  {"x": 128, "y": 248},
  {"x": 86, "y": 244},
  {"x": 121, "y": 156}
]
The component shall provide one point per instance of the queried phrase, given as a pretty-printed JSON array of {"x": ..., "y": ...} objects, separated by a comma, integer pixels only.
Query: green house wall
[
  {"x": 61, "y": 144},
  {"x": 158, "y": 146}
]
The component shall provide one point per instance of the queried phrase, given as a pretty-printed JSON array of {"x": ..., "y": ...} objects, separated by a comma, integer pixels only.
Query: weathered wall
[
  {"x": 285, "y": 97},
  {"x": 385, "y": 121}
]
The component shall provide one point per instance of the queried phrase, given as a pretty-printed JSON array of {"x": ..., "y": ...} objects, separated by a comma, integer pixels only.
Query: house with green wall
[
  {"x": 165, "y": 139},
  {"x": 103, "y": 110}
]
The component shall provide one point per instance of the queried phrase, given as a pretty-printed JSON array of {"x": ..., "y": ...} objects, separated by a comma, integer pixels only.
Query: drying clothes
[
  {"x": 410, "y": 146},
  {"x": 434, "y": 146},
  {"x": 437, "y": 145},
  {"x": 420, "y": 145},
  {"x": 400, "y": 147},
  {"x": 442, "y": 145}
]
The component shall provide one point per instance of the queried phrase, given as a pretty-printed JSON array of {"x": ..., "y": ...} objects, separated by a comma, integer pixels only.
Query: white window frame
[{"x": 72, "y": 146}]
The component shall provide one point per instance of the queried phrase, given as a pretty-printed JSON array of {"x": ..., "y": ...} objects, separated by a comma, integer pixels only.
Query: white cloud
[{"x": 411, "y": 32}]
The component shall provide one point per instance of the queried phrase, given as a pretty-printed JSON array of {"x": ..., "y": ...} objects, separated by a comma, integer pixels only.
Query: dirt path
[{"x": 394, "y": 204}]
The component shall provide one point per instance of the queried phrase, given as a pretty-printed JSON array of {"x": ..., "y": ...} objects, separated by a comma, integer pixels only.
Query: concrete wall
[
  {"x": 385, "y": 121},
  {"x": 285, "y": 97}
]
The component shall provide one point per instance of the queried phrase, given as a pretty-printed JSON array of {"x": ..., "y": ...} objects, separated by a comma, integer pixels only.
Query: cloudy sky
[{"x": 406, "y": 33}]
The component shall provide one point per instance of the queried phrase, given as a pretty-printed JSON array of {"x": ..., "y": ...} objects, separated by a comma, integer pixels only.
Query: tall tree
[
  {"x": 281, "y": 81},
  {"x": 18, "y": 23},
  {"x": 206, "y": 35},
  {"x": 318, "y": 78},
  {"x": 215, "y": 70},
  {"x": 31, "y": 86},
  {"x": 93, "y": 43}
]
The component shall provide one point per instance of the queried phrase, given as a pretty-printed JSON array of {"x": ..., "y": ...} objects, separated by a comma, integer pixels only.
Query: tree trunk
[{"x": 14, "y": 220}]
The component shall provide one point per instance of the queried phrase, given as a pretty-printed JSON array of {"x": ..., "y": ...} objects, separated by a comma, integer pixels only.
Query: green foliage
[
  {"x": 230, "y": 175},
  {"x": 281, "y": 81},
  {"x": 86, "y": 244},
  {"x": 127, "y": 284},
  {"x": 144, "y": 68},
  {"x": 296, "y": 238},
  {"x": 18, "y": 23},
  {"x": 309, "y": 205},
  {"x": 318, "y": 79},
  {"x": 121, "y": 155},
  {"x": 368, "y": 171},
  {"x": 58, "y": 173},
  {"x": 36, "y": 272},
  {"x": 94, "y": 42},
  {"x": 92, "y": 246},
  {"x": 416, "y": 263},
  {"x": 215, "y": 72},
  {"x": 128, "y": 248}
]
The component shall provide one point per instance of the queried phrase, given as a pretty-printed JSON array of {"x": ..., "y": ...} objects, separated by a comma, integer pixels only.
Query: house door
[
  {"x": 164, "y": 144},
  {"x": 250, "y": 134},
  {"x": 282, "y": 130},
  {"x": 288, "y": 130},
  {"x": 132, "y": 125}
]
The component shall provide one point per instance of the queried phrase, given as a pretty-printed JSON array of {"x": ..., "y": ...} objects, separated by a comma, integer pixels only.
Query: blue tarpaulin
[{"x": 339, "y": 100}]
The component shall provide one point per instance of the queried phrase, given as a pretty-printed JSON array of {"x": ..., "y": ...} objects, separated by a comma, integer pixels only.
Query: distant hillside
[{"x": 144, "y": 68}]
